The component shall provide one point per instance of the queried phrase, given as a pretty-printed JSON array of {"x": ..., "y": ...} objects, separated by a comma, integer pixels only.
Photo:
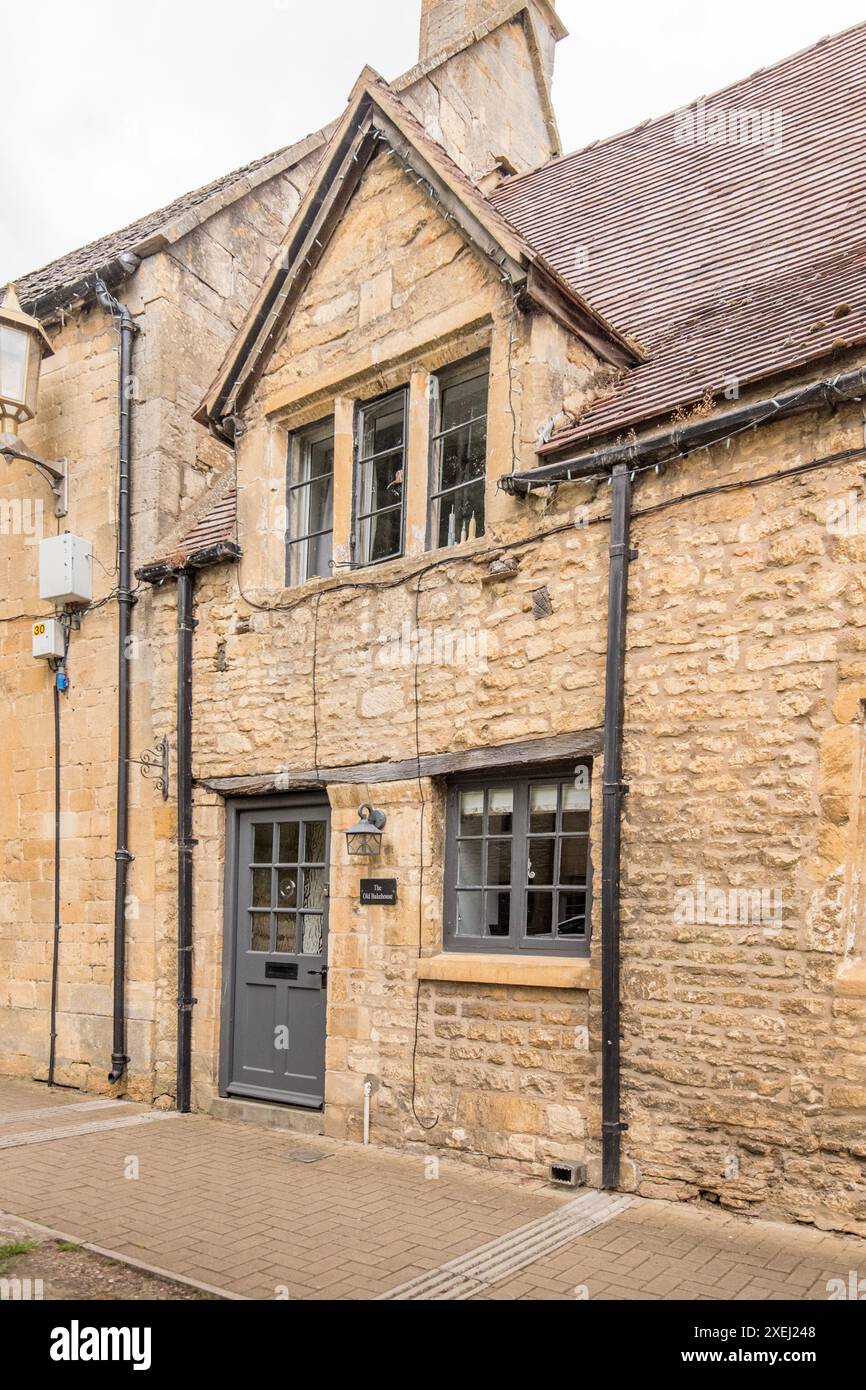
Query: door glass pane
[
  {"x": 471, "y": 813},
  {"x": 314, "y": 888},
  {"x": 542, "y": 854},
  {"x": 500, "y": 810},
  {"x": 312, "y": 934},
  {"x": 260, "y": 931},
  {"x": 498, "y": 913},
  {"x": 261, "y": 888},
  {"x": 542, "y": 809},
  {"x": 289, "y": 843},
  {"x": 314, "y": 842},
  {"x": 572, "y": 868},
  {"x": 469, "y": 914},
  {"x": 263, "y": 843},
  {"x": 539, "y": 914},
  {"x": 469, "y": 863},
  {"x": 287, "y": 888},
  {"x": 499, "y": 861},
  {"x": 572, "y": 914},
  {"x": 287, "y": 934}
]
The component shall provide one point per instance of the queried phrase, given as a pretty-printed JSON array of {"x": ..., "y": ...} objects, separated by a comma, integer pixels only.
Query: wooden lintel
[{"x": 586, "y": 744}]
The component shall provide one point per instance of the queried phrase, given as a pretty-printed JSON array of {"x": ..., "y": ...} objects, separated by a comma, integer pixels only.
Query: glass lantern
[{"x": 23, "y": 344}]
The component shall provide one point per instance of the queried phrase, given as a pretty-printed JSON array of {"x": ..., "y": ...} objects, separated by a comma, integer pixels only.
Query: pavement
[{"x": 252, "y": 1213}]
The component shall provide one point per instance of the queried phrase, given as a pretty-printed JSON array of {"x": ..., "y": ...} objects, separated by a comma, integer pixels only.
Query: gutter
[
  {"x": 613, "y": 790},
  {"x": 186, "y": 625},
  {"x": 126, "y": 602},
  {"x": 676, "y": 442}
]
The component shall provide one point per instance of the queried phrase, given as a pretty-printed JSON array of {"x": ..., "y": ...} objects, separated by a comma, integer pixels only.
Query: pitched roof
[
  {"x": 42, "y": 289},
  {"x": 719, "y": 259},
  {"x": 375, "y": 114},
  {"x": 208, "y": 526}
]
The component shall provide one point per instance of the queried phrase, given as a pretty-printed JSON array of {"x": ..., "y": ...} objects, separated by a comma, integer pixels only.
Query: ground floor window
[{"x": 517, "y": 862}]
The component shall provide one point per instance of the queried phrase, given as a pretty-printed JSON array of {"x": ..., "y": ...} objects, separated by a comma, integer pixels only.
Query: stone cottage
[{"x": 496, "y": 523}]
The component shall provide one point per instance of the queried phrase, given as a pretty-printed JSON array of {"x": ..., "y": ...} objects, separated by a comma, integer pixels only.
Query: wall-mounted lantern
[
  {"x": 365, "y": 838},
  {"x": 23, "y": 344}
]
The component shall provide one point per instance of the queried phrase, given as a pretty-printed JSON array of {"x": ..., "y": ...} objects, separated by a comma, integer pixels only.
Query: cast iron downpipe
[
  {"x": 186, "y": 625},
  {"x": 613, "y": 792},
  {"x": 125, "y": 601}
]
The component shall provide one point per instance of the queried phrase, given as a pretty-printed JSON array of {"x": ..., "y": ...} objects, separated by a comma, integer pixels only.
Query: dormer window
[{"x": 380, "y": 490}]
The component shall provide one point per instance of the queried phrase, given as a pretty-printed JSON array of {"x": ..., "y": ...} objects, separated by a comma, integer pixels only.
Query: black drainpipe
[
  {"x": 614, "y": 790},
  {"x": 125, "y": 601},
  {"x": 186, "y": 626}
]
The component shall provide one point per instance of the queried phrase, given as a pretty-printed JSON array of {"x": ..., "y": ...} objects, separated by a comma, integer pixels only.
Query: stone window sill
[{"x": 542, "y": 972}]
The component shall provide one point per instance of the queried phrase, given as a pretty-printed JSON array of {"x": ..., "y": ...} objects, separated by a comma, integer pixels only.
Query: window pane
[
  {"x": 261, "y": 888},
  {"x": 466, "y": 400},
  {"x": 462, "y": 456},
  {"x": 573, "y": 860},
  {"x": 499, "y": 861},
  {"x": 461, "y": 515},
  {"x": 314, "y": 842},
  {"x": 575, "y": 807},
  {"x": 320, "y": 552},
  {"x": 383, "y": 426},
  {"x": 287, "y": 934},
  {"x": 500, "y": 811},
  {"x": 319, "y": 462},
  {"x": 314, "y": 888},
  {"x": 471, "y": 813},
  {"x": 498, "y": 913},
  {"x": 539, "y": 914},
  {"x": 469, "y": 914},
  {"x": 287, "y": 888},
  {"x": 542, "y": 808},
  {"x": 260, "y": 931},
  {"x": 263, "y": 843},
  {"x": 542, "y": 856},
  {"x": 572, "y": 914},
  {"x": 289, "y": 843},
  {"x": 382, "y": 535},
  {"x": 469, "y": 863},
  {"x": 321, "y": 498},
  {"x": 312, "y": 934}
]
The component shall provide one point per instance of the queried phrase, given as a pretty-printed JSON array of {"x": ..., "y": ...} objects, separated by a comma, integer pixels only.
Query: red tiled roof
[
  {"x": 719, "y": 260},
  {"x": 211, "y": 522}
]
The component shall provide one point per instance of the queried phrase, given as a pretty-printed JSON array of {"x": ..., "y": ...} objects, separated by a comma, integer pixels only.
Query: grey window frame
[
  {"x": 294, "y": 489},
  {"x": 455, "y": 375},
  {"x": 358, "y": 517},
  {"x": 517, "y": 942}
]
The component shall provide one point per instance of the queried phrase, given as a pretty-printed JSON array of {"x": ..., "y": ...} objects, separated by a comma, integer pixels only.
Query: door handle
[{"x": 323, "y": 975}]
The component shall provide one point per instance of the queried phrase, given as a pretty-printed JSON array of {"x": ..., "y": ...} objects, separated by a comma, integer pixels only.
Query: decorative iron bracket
[
  {"x": 55, "y": 474},
  {"x": 154, "y": 765}
]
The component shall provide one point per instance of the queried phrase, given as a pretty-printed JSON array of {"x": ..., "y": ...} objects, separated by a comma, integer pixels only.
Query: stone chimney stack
[{"x": 491, "y": 103}]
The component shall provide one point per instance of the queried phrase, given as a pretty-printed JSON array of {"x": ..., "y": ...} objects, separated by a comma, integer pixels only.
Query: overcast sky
[{"x": 111, "y": 110}]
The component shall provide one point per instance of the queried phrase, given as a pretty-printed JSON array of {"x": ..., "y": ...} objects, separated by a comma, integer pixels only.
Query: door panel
[{"x": 281, "y": 944}]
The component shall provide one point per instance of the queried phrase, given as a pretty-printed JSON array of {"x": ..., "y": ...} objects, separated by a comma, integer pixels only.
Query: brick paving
[{"x": 236, "y": 1207}]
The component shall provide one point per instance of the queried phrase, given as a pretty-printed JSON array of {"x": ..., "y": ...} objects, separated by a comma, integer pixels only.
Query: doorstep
[{"x": 259, "y": 1112}]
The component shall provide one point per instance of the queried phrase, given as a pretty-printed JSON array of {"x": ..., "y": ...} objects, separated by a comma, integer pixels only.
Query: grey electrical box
[
  {"x": 65, "y": 570},
  {"x": 49, "y": 639}
]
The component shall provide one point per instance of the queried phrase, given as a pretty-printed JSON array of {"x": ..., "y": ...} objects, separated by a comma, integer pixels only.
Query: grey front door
[{"x": 281, "y": 941}]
